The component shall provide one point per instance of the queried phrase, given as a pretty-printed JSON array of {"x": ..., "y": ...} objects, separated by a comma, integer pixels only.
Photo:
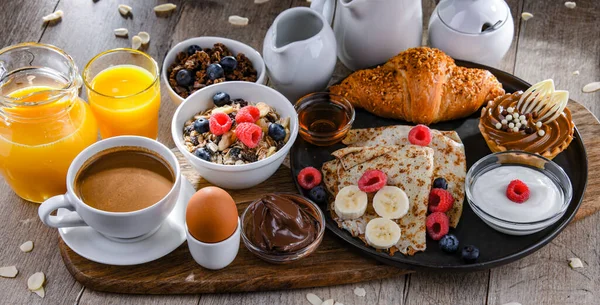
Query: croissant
[{"x": 420, "y": 85}]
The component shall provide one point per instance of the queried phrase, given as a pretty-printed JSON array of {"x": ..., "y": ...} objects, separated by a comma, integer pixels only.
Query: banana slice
[
  {"x": 390, "y": 202},
  {"x": 382, "y": 233},
  {"x": 350, "y": 202}
]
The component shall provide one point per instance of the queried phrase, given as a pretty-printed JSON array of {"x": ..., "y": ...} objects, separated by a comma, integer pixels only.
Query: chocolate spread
[
  {"x": 556, "y": 133},
  {"x": 280, "y": 224}
]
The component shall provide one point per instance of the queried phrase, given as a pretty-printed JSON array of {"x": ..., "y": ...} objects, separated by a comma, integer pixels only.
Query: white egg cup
[{"x": 217, "y": 255}]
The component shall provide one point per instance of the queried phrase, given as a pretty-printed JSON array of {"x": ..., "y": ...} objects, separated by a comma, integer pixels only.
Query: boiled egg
[{"x": 211, "y": 215}]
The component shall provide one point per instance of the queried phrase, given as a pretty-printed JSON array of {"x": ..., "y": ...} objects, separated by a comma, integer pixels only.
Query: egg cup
[{"x": 217, "y": 255}]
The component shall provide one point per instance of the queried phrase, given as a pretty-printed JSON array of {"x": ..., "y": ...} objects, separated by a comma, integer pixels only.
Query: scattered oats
[
  {"x": 576, "y": 72},
  {"x": 136, "y": 42},
  {"x": 591, "y": 87},
  {"x": 124, "y": 9},
  {"x": 570, "y": 4},
  {"x": 26, "y": 246},
  {"x": 40, "y": 292},
  {"x": 260, "y": 1},
  {"x": 360, "y": 292},
  {"x": 36, "y": 281},
  {"x": 238, "y": 20},
  {"x": 144, "y": 36},
  {"x": 574, "y": 262},
  {"x": 498, "y": 125},
  {"x": 538, "y": 124},
  {"x": 328, "y": 302},
  {"x": 313, "y": 299},
  {"x": 164, "y": 8},
  {"x": 526, "y": 16},
  {"x": 10, "y": 271},
  {"x": 53, "y": 17},
  {"x": 541, "y": 133},
  {"x": 121, "y": 32},
  {"x": 512, "y": 303}
]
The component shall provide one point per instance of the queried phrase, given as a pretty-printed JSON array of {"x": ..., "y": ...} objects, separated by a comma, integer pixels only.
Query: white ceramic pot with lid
[{"x": 480, "y": 31}]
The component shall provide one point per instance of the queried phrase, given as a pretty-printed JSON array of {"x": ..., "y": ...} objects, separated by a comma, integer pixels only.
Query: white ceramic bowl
[
  {"x": 234, "y": 176},
  {"x": 208, "y": 42}
]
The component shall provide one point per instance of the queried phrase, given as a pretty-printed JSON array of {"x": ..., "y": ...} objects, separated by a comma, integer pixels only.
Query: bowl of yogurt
[{"x": 549, "y": 186}]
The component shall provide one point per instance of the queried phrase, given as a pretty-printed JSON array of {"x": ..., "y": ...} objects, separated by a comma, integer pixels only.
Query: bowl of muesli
[
  {"x": 199, "y": 62},
  {"x": 235, "y": 134}
]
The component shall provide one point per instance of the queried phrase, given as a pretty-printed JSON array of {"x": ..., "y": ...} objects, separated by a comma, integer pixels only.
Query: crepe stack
[{"x": 409, "y": 167}]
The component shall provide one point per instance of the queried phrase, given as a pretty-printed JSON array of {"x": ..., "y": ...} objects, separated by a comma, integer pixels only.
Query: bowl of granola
[
  {"x": 199, "y": 62},
  {"x": 235, "y": 134}
]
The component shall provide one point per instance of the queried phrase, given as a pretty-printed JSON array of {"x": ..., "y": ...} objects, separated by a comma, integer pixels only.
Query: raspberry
[
  {"x": 219, "y": 123},
  {"x": 419, "y": 135},
  {"x": 309, "y": 177},
  {"x": 437, "y": 225},
  {"x": 517, "y": 191},
  {"x": 250, "y": 134},
  {"x": 248, "y": 114},
  {"x": 372, "y": 181},
  {"x": 440, "y": 200}
]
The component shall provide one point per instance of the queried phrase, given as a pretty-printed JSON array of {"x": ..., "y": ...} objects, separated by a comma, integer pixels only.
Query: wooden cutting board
[{"x": 333, "y": 263}]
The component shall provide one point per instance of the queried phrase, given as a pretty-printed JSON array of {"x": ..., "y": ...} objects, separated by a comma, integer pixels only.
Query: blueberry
[
  {"x": 184, "y": 77},
  {"x": 229, "y": 63},
  {"x": 221, "y": 99},
  {"x": 235, "y": 153},
  {"x": 449, "y": 243},
  {"x": 470, "y": 254},
  {"x": 214, "y": 71},
  {"x": 276, "y": 132},
  {"x": 188, "y": 129},
  {"x": 193, "y": 49},
  {"x": 203, "y": 154},
  {"x": 201, "y": 125},
  {"x": 440, "y": 183},
  {"x": 318, "y": 194}
]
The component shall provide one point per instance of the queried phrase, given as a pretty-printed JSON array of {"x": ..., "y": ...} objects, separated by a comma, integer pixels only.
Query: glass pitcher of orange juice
[
  {"x": 43, "y": 122},
  {"x": 123, "y": 90}
]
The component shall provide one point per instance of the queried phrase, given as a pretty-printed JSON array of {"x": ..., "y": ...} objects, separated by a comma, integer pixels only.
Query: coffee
[{"x": 124, "y": 179}]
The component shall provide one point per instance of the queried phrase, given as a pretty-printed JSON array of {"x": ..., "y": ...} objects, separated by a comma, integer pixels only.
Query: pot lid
[{"x": 473, "y": 16}]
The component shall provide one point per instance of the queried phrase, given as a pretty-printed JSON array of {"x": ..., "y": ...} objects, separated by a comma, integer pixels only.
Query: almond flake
[
  {"x": 53, "y": 17},
  {"x": 260, "y": 1},
  {"x": 327, "y": 302},
  {"x": 26, "y": 246},
  {"x": 164, "y": 8},
  {"x": 570, "y": 4},
  {"x": 591, "y": 87},
  {"x": 121, "y": 32},
  {"x": 124, "y": 9},
  {"x": 36, "y": 281},
  {"x": 574, "y": 262},
  {"x": 144, "y": 36},
  {"x": 59, "y": 13},
  {"x": 10, "y": 271},
  {"x": 313, "y": 299},
  {"x": 576, "y": 72},
  {"x": 360, "y": 292},
  {"x": 526, "y": 16},
  {"x": 136, "y": 42},
  {"x": 40, "y": 292},
  {"x": 238, "y": 20}
]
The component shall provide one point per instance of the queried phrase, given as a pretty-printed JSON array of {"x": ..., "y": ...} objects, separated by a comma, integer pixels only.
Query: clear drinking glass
[{"x": 124, "y": 92}]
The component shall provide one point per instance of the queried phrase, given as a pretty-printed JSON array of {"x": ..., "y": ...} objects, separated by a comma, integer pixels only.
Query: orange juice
[
  {"x": 125, "y": 99},
  {"x": 38, "y": 142}
]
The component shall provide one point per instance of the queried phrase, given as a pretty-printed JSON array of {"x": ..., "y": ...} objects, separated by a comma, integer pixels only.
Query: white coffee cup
[{"x": 115, "y": 225}]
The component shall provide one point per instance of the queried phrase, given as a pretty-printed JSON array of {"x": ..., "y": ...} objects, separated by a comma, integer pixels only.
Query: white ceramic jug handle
[
  {"x": 71, "y": 219},
  {"x": 325, "y": 8}
]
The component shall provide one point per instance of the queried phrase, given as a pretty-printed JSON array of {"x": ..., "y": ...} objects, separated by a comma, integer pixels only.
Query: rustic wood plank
[
  {"x": 21, "y": 20},
  {"x": 558, "y": 41},
  {"x": 91, "y": 297}
]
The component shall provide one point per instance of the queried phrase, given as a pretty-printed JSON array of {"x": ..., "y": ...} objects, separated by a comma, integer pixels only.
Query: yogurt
[{"x": 489, "y": 194}]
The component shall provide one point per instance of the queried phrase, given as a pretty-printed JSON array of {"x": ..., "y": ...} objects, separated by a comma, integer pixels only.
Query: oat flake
[
  {"x": 526, "y": 16},
  {"x": 136, "y": 42},
  {"x": 163, "y": 8},
  {"x": 576, "y": 72},
  {"x": 591, "y": 87},
  {"x": 313, "y": 299},
  {"x": 360, "y": 292},
  {"x": 260, "y": 1},
  {"x": 238, "y": 20},
  {"x": 574, "y": 262},
  {"x": 570, "y": 4},
  {"x": 121, "y": 32}
]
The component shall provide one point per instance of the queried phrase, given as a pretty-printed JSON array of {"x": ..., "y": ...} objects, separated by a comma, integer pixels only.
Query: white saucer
[{"x": 92, "y": 245}]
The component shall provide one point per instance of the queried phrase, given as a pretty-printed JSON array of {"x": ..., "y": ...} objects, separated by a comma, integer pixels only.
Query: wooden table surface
[{"x": 553, "y": 44}]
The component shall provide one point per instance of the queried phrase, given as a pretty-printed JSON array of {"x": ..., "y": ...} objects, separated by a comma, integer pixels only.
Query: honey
[{"x": 324, "y": 118}]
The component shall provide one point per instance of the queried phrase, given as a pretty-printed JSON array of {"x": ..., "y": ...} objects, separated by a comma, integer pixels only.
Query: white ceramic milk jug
[
  {"x": 299, "y": 52},
  {"x": 480, "y": 31},
  {"x": 369, "y": 32}
]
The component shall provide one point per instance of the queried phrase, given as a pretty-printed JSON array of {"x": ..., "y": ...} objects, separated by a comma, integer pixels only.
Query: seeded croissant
[{"x": 420, "y": 85}]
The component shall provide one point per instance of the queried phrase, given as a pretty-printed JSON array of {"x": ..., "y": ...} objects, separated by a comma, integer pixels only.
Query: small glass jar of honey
[{"x": 324, "y": 118}]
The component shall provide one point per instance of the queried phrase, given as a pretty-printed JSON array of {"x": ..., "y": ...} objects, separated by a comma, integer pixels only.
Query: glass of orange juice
[
  {"x": 43, "y": 122},
  {"x": 123, "y": 90}
]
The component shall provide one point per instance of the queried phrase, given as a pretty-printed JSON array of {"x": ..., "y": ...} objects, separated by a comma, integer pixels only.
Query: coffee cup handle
[{"x": 71, "y": 219}]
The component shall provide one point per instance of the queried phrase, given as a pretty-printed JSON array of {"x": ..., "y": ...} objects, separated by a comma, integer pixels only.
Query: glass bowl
[
  {"x": 324, "y": 118},
  {"x": 532, "y": 161},
  {"x": 285, "y": 257}
]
